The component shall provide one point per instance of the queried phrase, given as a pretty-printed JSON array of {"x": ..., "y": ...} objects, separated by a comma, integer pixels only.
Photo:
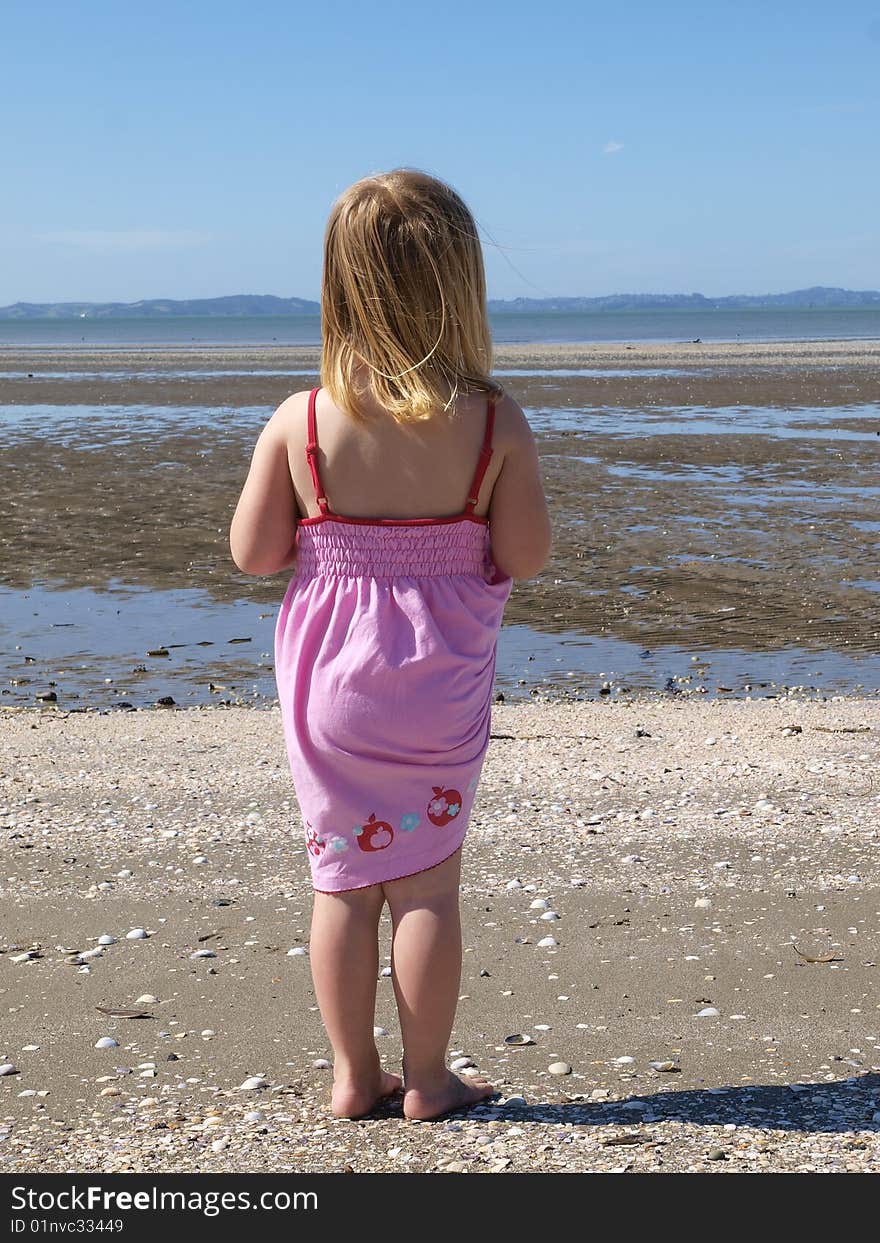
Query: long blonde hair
[{"x": 403, "y": 294}]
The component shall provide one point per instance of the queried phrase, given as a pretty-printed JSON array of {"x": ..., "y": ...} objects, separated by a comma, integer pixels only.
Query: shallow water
[
  {"x": 92, "y": 648},
  {"x": 696, "y": 546}
]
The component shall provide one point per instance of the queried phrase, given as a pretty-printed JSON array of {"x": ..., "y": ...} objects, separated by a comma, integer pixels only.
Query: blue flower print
[
  {"x": 409, "y": 822},
  {"x": 472, "y": 784},
  {"x": 453, "y": 809},
  {"x": 339, "y": 844}
]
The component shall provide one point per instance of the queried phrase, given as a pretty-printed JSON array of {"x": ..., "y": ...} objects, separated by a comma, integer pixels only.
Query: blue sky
[{"x": 194, "y": 149}]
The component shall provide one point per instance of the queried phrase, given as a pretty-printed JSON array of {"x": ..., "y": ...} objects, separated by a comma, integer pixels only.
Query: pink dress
[{"x": 385, "y": 648}]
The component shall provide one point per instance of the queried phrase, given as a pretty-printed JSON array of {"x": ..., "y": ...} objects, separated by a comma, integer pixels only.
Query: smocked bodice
[{"x": 339, "y": 549}]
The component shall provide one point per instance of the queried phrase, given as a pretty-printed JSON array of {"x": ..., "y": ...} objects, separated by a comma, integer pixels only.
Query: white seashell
[
  {"x": 203, "y": 954},
  {"x": 254, "y": 1115},
  {"x": 380, "y": 1031},
  {"x": 124, "y": 874},
  {"x": 21, "y": 957},
  {"x": 87, "y": 955},
  {"x": 111, "y": 1092},
  {"x": 106, "y": 939},
  {"x": 708, "y": 1012},
  {"x": 559, "y": 1068},
  {"x": 514, "y": 884},
  {"x": 386, "y": 971},
  {"x": 550, "y": 915},
  {"x": 208, "y": 1033},
  {"x": 542, "y": 1027},
  {"x": 219, "y": 1144},
  {"x": 518, "y": 1041},
  {"x": 107, "y": 1042},
  {"x": 703, "y": 904},
  {"x": 146, "y": 999},
  {"x": 253, "y": 1084},
  {"x": 625, "y": 1060},
  {"x": 547, "y": 943},
  {"x": 297, "y": 952},
  {"x": 663, "y": 1066},
  {"x": 539, "y": 904},
  {"x": 136, "y": 934},
  {"x": 461, "y": 1062},
  {"x": 321, "y": 1063},
  {"x": 8, "y": 1069}
]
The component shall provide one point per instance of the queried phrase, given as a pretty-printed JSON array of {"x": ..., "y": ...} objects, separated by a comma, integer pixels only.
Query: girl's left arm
[{"x": 263, "y": 530}]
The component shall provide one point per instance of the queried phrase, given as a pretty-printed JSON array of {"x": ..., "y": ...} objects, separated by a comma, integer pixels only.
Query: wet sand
[
  {"x": 727, "y": 506},
  {"x": 687, "y": 848}
]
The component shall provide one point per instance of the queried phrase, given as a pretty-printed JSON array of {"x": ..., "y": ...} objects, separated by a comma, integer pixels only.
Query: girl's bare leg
[
  {"x": 426, "y": 971},
  {"x": 344, "y": 954}
]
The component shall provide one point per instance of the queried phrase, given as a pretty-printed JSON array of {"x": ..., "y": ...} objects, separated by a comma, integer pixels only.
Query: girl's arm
[
  {"x": 519, "y": 523},
  {"x": 263, "y": 530}
]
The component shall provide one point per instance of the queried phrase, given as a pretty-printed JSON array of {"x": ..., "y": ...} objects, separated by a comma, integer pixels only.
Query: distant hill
[
  {"x": 819, "y": 296},
  {"x": 254, "y": 305},
  {"x": 162, "y": 308}
]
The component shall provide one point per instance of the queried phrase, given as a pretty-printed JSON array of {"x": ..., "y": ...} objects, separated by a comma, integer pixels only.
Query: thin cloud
[
  {"x": 612, "y": 148},
  {"x": 124, "y": 241}
]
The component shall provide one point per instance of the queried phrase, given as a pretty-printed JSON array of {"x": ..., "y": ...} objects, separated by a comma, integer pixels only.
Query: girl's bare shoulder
[{"x": 511, "y": 424}]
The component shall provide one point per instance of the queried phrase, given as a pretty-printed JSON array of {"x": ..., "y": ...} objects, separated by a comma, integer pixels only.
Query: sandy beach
[{"x": 687, "y": 847}]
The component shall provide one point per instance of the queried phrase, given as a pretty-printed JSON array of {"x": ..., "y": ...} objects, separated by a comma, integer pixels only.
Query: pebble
[
  {"x": 111, "y": 1092},
  {"x": 200, "y": 859},
  {"x": 321, "y": 1063},
  {"x": 559, "y": 1068},
  {"x": 703, "y": 904},
  {"x": 253, "y": 1084},
  {"x": 204, "y": 954},
  {"x": 107, "y": 1042},
  {"x": 547, "y": 943},
  {"x": 8, "y": 1069},
  {"x": 380, "y": 1031},
  {"x": 137, "y": 934},
  {"x": 254, "y": 1115}
]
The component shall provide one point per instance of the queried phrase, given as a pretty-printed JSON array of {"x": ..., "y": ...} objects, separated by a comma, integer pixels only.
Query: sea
[{"x": 508, "y": 328}]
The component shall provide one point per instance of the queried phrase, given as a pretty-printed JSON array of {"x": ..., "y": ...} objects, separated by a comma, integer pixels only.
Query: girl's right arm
[{"x": 519, "y": 523}]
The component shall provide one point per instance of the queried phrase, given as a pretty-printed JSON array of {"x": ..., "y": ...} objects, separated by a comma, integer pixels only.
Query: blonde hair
[{"x": 403, "y": 293}]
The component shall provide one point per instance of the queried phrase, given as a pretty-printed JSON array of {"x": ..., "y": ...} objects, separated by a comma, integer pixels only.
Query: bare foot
[
  {"x": 457, "y": 1094},
  {"x": 354, "y": 1099}
]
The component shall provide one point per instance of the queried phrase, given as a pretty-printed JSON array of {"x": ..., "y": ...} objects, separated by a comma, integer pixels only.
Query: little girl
[{"x": 380, "y": 488}]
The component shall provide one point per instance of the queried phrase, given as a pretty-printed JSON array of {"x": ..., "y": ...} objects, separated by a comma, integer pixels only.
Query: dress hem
[{"x": 385, "y": 879}]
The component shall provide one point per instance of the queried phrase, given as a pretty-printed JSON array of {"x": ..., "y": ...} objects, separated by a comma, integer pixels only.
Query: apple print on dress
[
  {"x": 444, "y": 806},
  {"x": 409, "y": 822},
  {"x": 375, "y": 834},
  {"x": 314, "y": 844}
]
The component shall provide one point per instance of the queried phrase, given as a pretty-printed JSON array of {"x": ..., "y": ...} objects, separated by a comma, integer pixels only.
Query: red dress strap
[
  {"x": 312, "y": 453},
  {"x": 485, "y": 456}
]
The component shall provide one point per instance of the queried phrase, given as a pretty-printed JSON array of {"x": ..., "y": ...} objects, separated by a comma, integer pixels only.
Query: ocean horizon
[{"x": 752, "y": 324}]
